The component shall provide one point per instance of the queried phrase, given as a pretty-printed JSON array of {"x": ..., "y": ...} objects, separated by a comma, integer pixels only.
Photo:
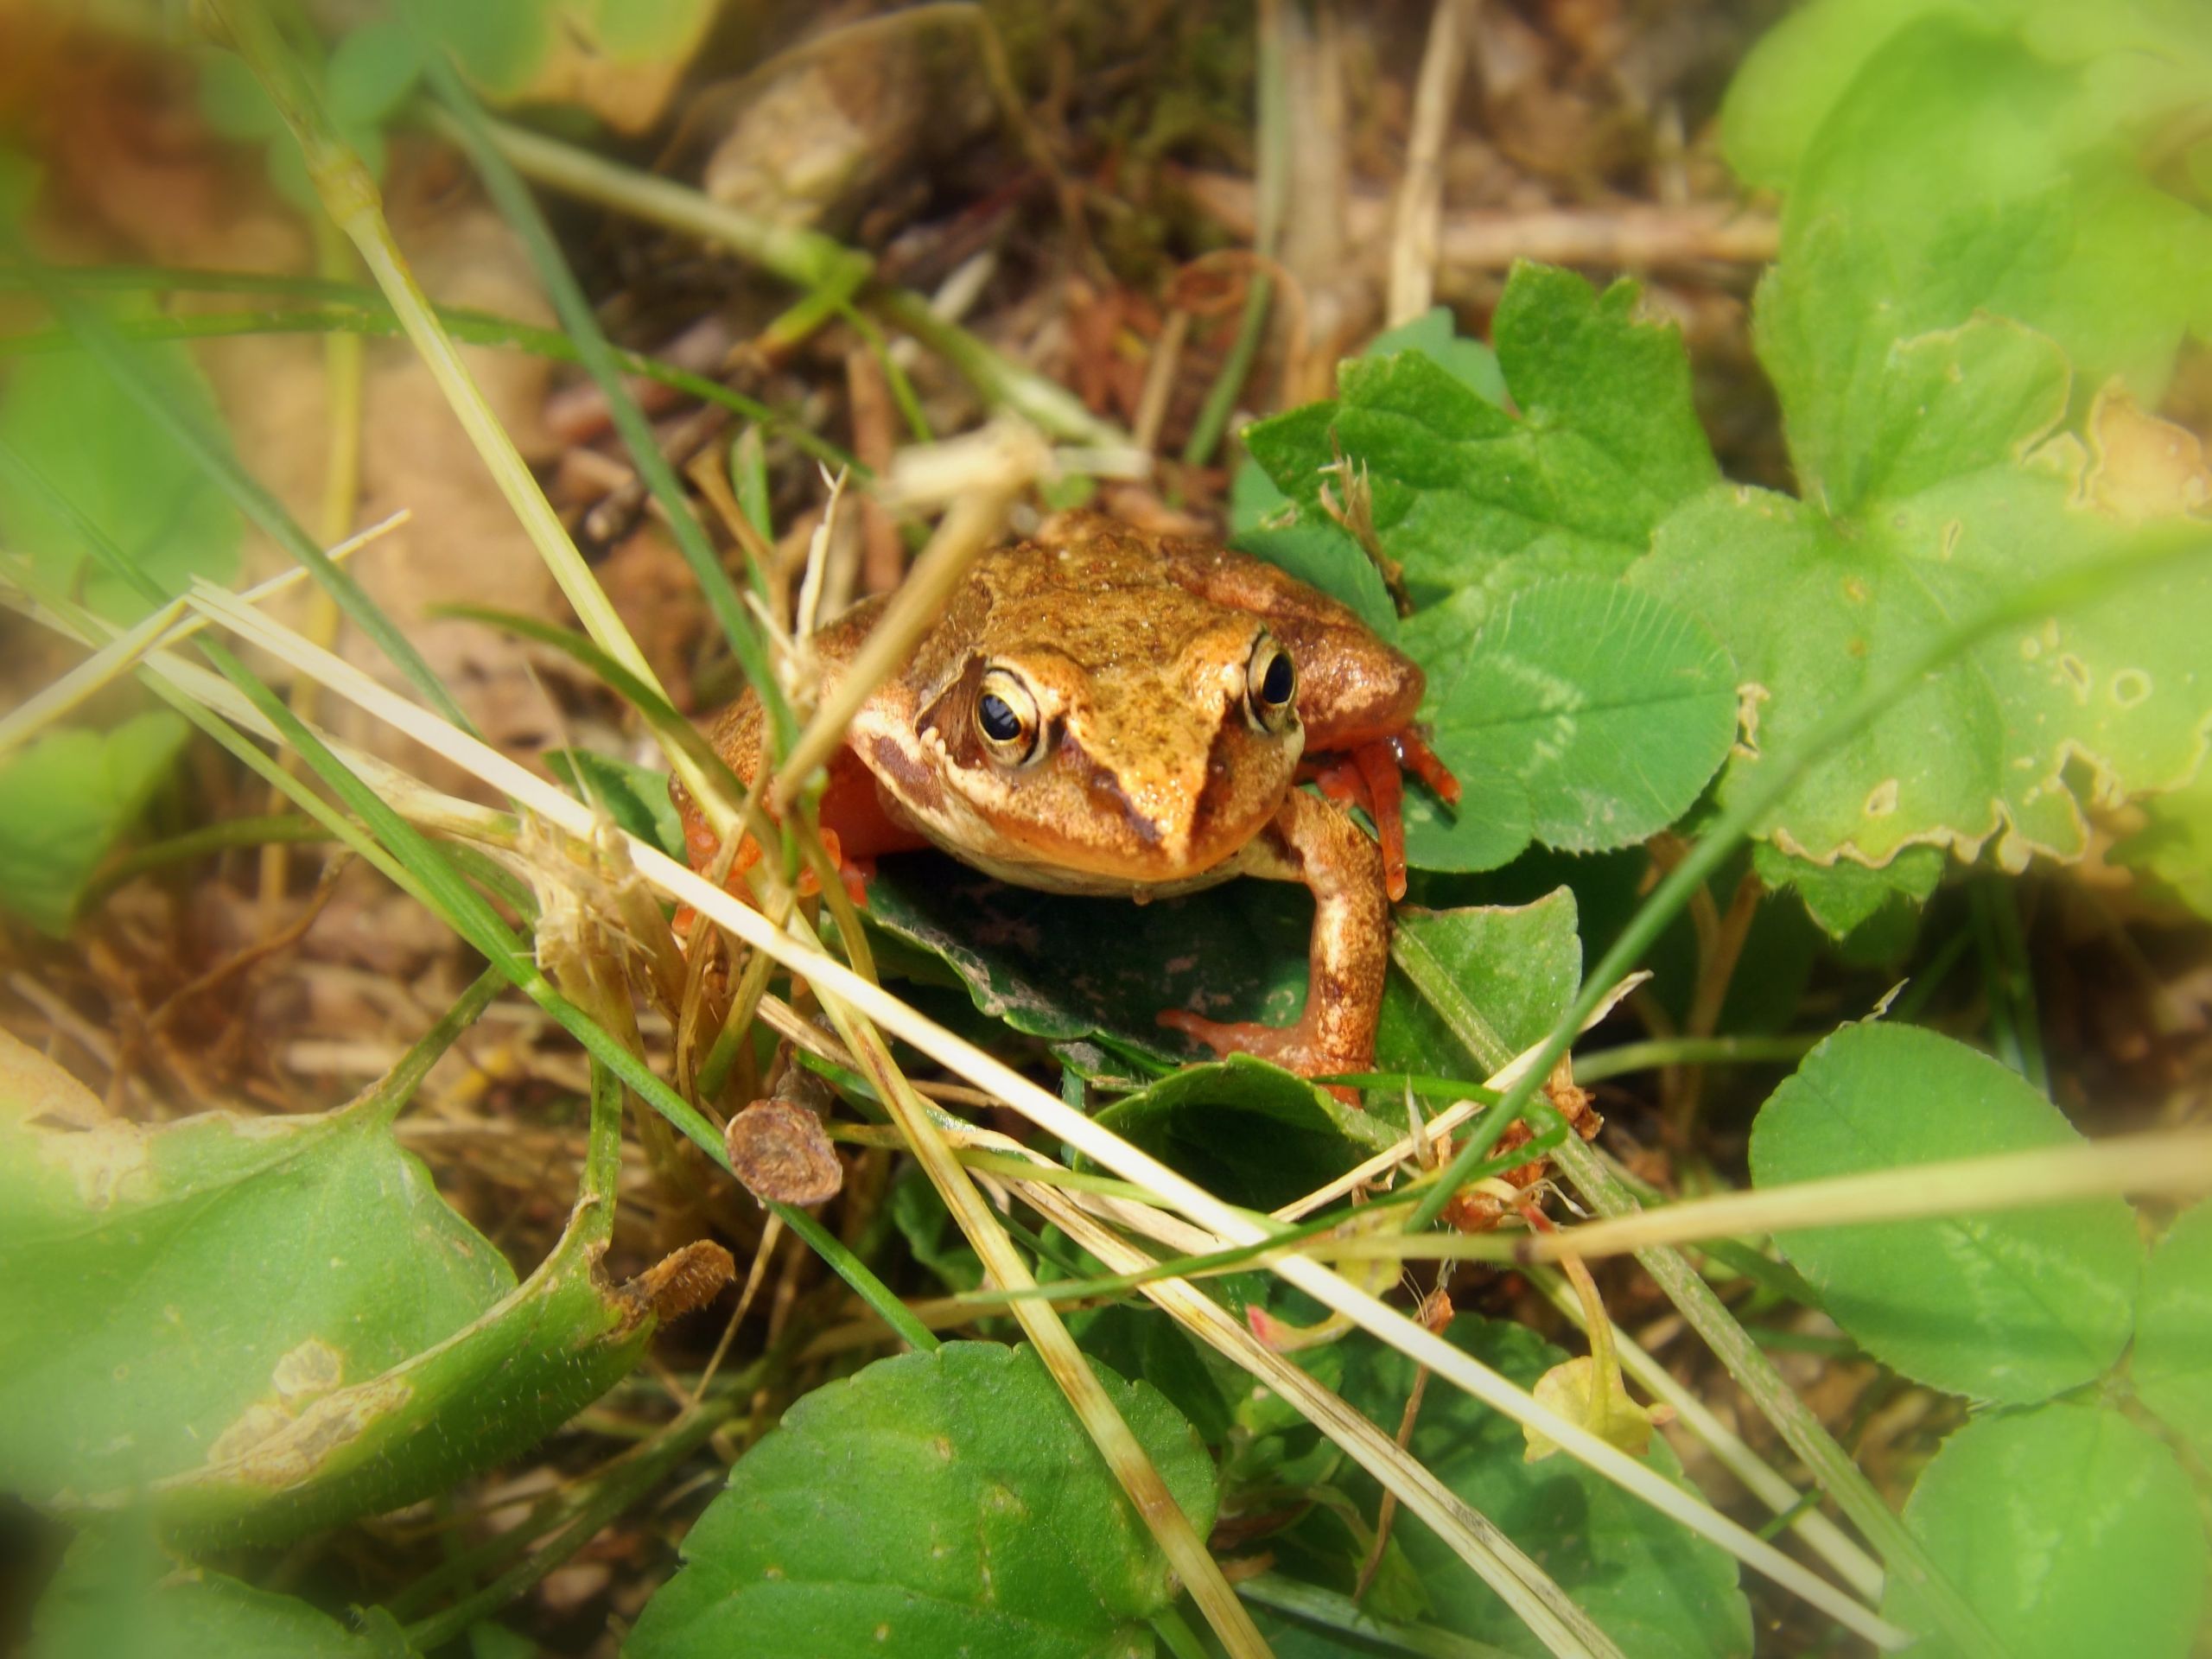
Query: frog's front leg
[{"x": 1315, "y": 844}]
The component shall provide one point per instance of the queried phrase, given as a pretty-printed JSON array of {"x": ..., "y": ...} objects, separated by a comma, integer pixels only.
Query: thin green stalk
[
  {"x": 1692, "y": 1051},
  {"x": 999, "y": 380},
  {"x": 1272, "y": 186},
  {"x": 467, "y": 123},
  {"x": 1340, "y": 1615},
  {"x": 1915, "y": 996},
  {"x": 228, "y": 836},
  {"x": 359, "y": 311},
  {"x": 2009, "y": 978}
]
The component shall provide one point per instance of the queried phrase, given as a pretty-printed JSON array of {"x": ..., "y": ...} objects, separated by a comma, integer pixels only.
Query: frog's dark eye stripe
[
  {"x": 1271, "y": 684},
  {"x": 1006, "y": 718}
]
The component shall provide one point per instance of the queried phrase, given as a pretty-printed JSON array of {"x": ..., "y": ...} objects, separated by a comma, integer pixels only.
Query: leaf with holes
[
  {"x": 2009, "y": 1304},
  {"x": 941, "y": 1503}
]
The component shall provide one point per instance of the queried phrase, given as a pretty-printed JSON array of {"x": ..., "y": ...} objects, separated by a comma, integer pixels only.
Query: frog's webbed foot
[
  {"x": 1303, "y": 1048},
  {"x": 1367, "y": 775},
  {"x": 1312, "y": 843}
]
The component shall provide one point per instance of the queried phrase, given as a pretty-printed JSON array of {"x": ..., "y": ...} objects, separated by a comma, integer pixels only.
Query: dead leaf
[
  {"x": 2142, "y": 468},
  {"x": 781, "y": 1152},
  {"x": 683, "y": 1282}
]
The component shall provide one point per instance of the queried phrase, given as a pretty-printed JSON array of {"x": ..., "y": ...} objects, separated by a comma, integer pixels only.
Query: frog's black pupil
[
  {"x": 1001, "y": 723},
  {"x": 1278, "y": 681}
]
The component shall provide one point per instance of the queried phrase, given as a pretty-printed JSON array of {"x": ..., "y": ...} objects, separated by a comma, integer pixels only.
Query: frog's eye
[
  {"x": 1006, "y": 718},
  {"x": 1271, "y": 684}
]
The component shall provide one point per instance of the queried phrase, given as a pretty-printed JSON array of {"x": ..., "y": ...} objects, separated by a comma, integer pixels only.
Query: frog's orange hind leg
[{"x": 1311, "y": 842}]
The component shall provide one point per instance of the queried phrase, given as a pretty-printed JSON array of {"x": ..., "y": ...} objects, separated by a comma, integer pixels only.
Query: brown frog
[{"x": 1102, "y": 711}]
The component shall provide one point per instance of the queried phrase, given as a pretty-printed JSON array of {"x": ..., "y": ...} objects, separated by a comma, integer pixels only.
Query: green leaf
[
  {"x": 2171, "y": 1367},
  {"x": 2070, "y": 1531},
  {"x": 371, "y": 71},
  {"x": 1060, "y": 967},
  {"x": 944, "y": 1503},
  {"x": 1796, "y": 71},
  {"x": 2038, "y": 211},
  {"x": 65, "y": 799},
  {"x": 1314, "y": 548},
  {"x": 514, "y": 49},
  {"x": 2009, "y": 1304},
  {"x": 1512, "y": 971},
  {"x": 1843, "y": 897},
  {"x": 635, "y": 796},
  {"x": 1996, "y": 743},
  {"x": 119, "y": 1598},
  {"x": 1465, "y": 496},
  {"x": 1249, "y": 1132},
  {"x": 2175, "y": 844},
  {"x": 1655, "y": 1589},
  {"x": 63, "y": 416},
  {"x": 266, "y": 1323},
  {"x": 1612, "y": 707},
  {"x": 1435, "y": 336}
]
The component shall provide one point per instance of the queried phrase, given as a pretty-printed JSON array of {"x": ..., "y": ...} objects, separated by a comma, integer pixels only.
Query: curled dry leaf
[{"x": 2142, "y": 468}]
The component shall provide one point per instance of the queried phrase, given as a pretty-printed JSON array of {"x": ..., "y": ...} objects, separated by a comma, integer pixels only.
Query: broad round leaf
[
  {"x": 2010, "y": 1305},
  {"x": 82, "y": 433},
  {"x": 1611, "y": 706},
  {"x": 945, "y": 1502},
  {"x": 120, "y": 1598},
  {"x": 2069, "y": 1530},
  {"x": 2173, "y": 1364},
  {"x": 63, "y": 802}
]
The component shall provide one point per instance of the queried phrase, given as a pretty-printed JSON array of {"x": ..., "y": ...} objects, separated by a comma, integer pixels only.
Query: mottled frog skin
[{"x": 1099, "y": 710}]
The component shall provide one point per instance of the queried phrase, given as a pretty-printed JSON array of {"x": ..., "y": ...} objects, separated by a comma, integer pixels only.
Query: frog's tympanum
[{"x": 1100, "y": 711}]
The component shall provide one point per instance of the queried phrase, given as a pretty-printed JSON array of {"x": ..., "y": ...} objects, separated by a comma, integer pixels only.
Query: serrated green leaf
[
  {"x": 2171, "y": 1367},
  {"x": 120, "y": 1599},
  {"x": 1613, "y": 707},
  {"x": 2013, "y": 1305},
  {"x": 1514, "y": 969},
  {"x": 63, "y": 415},
  {"x": 1464, "y": 496},
  {"x": 944, "y": 1503},
  {"x": 264, "y": 1324},
  {"x": 1657, "y": 1590},
  {"x": 1060, "y": 967},
  {"x": 1814, "y": 609},
  {"x": 65, "y": 799},
  {"x": 2069, "y": 1530},
  {"x": 1246, "y": 1131}
]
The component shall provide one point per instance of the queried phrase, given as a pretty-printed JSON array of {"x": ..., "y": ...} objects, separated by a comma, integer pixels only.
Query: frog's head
[{"x": 1126, "y": 737}]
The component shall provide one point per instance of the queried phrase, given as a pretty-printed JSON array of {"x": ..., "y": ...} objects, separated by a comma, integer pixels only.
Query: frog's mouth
[{"x": 1135, "y": 828}]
